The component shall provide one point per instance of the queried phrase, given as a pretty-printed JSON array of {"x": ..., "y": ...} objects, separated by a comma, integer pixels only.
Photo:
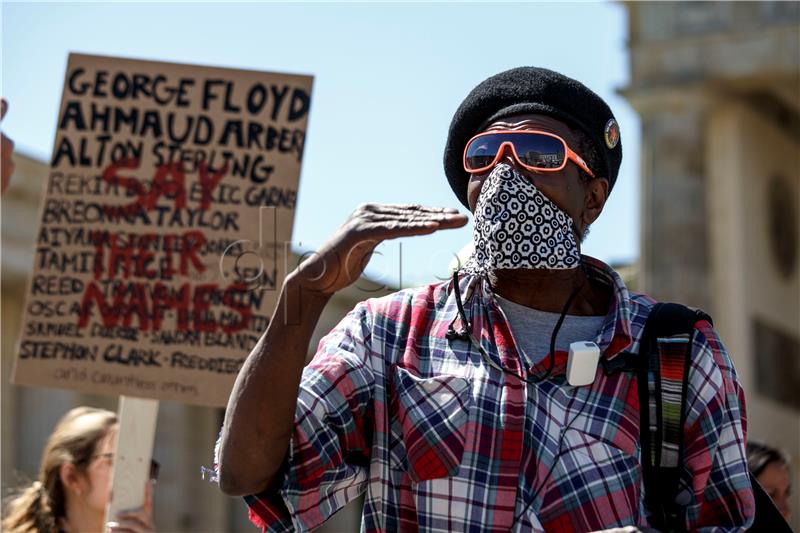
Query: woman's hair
[
  {"x": 37, "y": 508},
  {"x": 760, "y": 455}
]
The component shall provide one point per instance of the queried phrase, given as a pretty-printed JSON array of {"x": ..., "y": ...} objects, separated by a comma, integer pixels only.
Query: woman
[
  {"x": 771, "y": 468},
  {"x": 74, "y": 483}
]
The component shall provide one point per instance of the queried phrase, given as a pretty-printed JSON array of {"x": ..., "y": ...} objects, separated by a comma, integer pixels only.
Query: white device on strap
[{"x": 582, "y": 363}]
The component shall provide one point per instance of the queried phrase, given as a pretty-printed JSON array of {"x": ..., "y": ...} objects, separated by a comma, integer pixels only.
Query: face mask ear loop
[{"x": 464, "y": 333}]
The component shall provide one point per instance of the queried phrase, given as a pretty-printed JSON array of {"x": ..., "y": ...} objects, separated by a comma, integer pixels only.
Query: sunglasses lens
[
  {"x": 534, "y": 150},
  {"x": 540, "y": 151},
  {"x": 482, "y": 151}
]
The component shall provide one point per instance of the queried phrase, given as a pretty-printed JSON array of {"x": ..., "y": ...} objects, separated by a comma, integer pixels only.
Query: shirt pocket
[
  {"x": 589, "y": 469},
  {"x": 431, "y": 416}
]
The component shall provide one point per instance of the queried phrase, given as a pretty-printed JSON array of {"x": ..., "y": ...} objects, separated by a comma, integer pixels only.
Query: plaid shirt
[{"x": 441, "y": 441}]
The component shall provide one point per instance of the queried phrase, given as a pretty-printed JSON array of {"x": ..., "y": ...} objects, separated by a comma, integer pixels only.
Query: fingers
[
  {"x": 127, "y": 526},
  {"x": 133, "y": 521},
  {"x": 386, "y": 221},
  {"x": 412, "y": 208},
  {"x": 377, "y": 231},
  {"x": 405, "y": 210},
  {"x": 418, "y": 212},
  {"x": 148, "y": 499}
]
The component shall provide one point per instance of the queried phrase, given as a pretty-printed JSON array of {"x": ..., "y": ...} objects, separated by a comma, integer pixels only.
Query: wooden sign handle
[{"x": 136, "y": 434}]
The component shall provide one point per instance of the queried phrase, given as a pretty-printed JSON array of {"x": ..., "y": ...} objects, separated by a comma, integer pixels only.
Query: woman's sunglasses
[{"x": 538, "y": 151}]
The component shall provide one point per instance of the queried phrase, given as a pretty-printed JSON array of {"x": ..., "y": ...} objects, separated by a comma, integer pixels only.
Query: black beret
[{"x": 532, "y": 90}]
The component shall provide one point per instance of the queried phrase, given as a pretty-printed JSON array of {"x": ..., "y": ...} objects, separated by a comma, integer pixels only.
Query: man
[{"x": 448, "y": 404}]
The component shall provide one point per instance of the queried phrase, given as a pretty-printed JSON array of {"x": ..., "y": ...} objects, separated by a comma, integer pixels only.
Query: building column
[{"x": 674, "y": 238}]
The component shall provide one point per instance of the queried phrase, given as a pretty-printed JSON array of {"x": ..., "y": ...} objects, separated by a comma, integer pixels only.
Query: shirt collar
[
  {"x": 476, "y": 295},
  {"x": 616, "y": 335}
]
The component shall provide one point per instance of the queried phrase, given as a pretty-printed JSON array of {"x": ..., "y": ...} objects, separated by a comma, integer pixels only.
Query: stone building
[
  {"x": 717, "y": 87},
  {"x": 185, "y": 435}
]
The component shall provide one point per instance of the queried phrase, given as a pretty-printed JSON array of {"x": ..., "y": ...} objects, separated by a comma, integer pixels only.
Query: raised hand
[{"x": 343, "y": 257}]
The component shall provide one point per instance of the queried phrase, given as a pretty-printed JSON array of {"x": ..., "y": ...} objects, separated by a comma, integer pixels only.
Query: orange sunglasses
[{"x": 538, "y": 151}]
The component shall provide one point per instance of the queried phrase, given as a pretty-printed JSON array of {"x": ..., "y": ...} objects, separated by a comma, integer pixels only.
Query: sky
[{"x": 387, "y": 79}]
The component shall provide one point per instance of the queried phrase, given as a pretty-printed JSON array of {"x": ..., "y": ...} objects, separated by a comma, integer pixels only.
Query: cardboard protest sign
[{"x": 165, "y": 227}]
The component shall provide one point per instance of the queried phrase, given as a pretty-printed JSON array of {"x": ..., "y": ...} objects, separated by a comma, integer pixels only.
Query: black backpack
[{"x": 662, "y": 373}]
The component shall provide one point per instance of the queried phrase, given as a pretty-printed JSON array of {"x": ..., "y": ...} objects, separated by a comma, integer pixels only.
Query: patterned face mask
[{"x": 517, "y": 226}]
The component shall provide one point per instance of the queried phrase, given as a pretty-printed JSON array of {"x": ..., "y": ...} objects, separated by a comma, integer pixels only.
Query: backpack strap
[{"x": 665, "y": 349}]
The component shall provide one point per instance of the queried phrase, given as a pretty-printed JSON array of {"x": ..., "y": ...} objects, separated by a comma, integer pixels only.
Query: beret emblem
[{"x": 611, "y": 133}]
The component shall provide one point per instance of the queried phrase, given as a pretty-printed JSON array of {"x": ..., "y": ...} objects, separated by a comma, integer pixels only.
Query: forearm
[{"x": 260, "y": 415}]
